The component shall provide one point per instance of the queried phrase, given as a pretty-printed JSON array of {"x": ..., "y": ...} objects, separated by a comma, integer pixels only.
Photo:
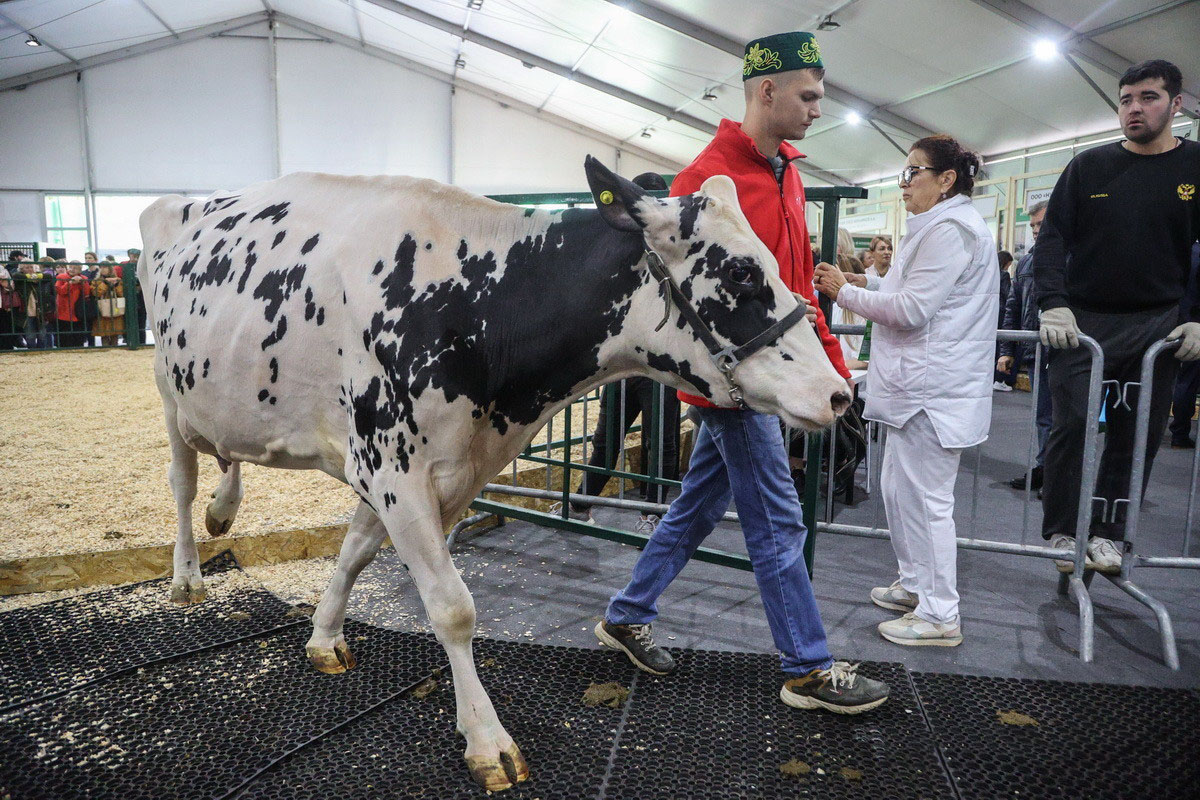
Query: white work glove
[
  {"x": 1059, "y": 329},
  {"x": 1189, "y": 348}
]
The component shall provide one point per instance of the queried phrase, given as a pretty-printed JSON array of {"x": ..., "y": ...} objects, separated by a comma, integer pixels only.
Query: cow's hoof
[
  {"x": 188, "y": 592},
  {"x": 497, "y": 774},
  {"x": 331, "y": 660},
  {"x": 215, "y": 526}
]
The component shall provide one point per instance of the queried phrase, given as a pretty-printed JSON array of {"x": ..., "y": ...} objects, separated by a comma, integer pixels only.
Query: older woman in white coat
[{"x": 930, "y": 380}]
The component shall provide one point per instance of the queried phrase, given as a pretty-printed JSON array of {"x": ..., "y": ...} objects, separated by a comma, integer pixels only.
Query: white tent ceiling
[{"x": 624, "y": 66}]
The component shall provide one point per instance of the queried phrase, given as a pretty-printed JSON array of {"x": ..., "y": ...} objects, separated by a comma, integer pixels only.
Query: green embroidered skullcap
[{"x": 781, "y": 52}]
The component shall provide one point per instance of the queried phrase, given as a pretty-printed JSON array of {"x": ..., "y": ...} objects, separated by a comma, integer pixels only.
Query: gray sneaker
[
  {"x": 839, "y": 689},
  {"x": 1063, "y": 542},
  {"x": 581, "y": 516},
  {"x": 912, "y": 630},
  {"x": 1103, "y": 555},
  {"x": 647, "y": 524},
  {"x": 894, "y": 597},
  {"x": 637, "y": 642}
]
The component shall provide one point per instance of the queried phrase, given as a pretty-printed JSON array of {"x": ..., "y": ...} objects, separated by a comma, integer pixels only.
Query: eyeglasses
[{"x": 906, "y": 174}]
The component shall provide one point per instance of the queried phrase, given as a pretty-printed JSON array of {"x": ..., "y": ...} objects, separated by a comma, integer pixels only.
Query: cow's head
[{"x": 725, "y": 272}]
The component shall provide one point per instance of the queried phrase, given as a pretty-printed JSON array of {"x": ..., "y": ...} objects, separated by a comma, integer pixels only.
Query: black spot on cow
[
  {"x": 218, "y": 247},
  {"x": 695, "y": 247},
  {"x": 429, "y": 245},
  {"x": 310, "y": 308},
  {"x": 690, "y": 207},
  {"x": 321, "y": 316},
  {"x": 278, "y": 238},
  {"x": 186, "y": 209},
  {"x": 273, "y": 399},
  {"x": 195, "y": 236},
  {"x": 378, "y": 267},
  {"x": 251, "y": 260},
  {"x": 339, "y": 351},
  {"x": 787, "y": 357},
  {"x": 310, "y": 244},
  {"x": 182, "y": 339},
  {"x": 262, "y": 395},
  {"x": 204, "y": 374},
  {"x": 275, "y": 213},
  {"x": 228, "y": 223},
  {"x": 277, "y": 286},
  {"x": 277, "y": 334},
  {"x": 274, "y": 365},
  {"x": 204, "y": 311},
  {"x": 664, "y": 363}
]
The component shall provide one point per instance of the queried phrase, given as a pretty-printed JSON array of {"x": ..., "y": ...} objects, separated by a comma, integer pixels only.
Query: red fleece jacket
[{"x": 775, "y": 214}]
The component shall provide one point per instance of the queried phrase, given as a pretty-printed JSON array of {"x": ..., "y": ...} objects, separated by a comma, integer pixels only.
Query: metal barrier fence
[
  {"x": 1130, "y": 558},
  {"x": 1075, "y": 583},
  {"x": 96, "y": 316}
]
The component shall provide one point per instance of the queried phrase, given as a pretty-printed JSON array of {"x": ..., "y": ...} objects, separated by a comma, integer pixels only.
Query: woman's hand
[
  {"x": 828, "y": 279},
  {"x": 810, "y": 312}
]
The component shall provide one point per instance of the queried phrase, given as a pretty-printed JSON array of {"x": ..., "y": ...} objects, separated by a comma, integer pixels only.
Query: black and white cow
[{"x": 409, "y": 338}]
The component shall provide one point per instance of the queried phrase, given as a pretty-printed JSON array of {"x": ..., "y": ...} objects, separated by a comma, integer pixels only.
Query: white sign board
[
  {"x": 1036, "y": 196},
  {"x": 865, "y": 223},
  {"x": 986, "y": 205}
]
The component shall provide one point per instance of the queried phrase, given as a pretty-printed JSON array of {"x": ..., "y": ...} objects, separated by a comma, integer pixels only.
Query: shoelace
[
  {"x": 642, "y": 634},
  {"x": 842, "y": 673},
  {"x": 1105, "y": 547}
]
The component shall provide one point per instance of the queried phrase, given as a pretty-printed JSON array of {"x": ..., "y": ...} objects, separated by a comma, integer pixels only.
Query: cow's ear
[
  {"x": 616, "y": 198},
  {"x": 720, "y": 187}
]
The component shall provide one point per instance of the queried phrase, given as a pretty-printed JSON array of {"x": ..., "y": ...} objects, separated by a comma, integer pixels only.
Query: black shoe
[
  {"x": 638, "y": 644},
  {"x": 1035, "y": 480},
  {"x": 1185, "y": 443},
  {"x": 839, "y": 689}
]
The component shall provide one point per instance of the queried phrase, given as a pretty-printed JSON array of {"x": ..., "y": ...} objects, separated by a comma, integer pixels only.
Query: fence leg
[
  {"x": 1165, "y": 630},
  {"x": 1087, "y": 627}
]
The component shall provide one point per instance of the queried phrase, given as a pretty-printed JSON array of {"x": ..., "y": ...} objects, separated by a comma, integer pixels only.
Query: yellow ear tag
[{"x": 606, "y": 197}]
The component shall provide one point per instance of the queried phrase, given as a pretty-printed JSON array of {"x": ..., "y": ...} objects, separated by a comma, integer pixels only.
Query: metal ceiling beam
[
  {"x": 1078, "y": 44},
  {"x": 29, "y": 32},
  {"x": 384, "y": 54},
  {"x": 144, "y": 4},
  {"x": 833, "y": 91},
  {"x": 581, "y": 78},
  {"x": 113, "y": 56}
]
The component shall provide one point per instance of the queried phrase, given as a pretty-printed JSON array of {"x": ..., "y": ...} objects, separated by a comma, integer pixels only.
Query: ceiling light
[
  {"x": 828, "y": 24},
  {"x": 710, "y": 94},
  {"x": 460, "y": 63},
  {"x": 474, "y": 5},
  {"x": 1045, "y": 49},
  {"x": 32, "y": 41},
  {"x": 647, "y": 132},
  {"x": 853, "y": 118}
]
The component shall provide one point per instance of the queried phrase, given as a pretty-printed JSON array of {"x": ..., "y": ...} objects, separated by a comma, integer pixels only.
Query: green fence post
[
  {"x": 566, "y": 462},
  {"x": 133, "y": 331}
]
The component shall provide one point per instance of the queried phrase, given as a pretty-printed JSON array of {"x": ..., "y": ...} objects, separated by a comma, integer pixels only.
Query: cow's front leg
[
  {"x": 218, "y": 517},
  {"x": 492, "y": 756},
  {"x": 327, "y": 648}
]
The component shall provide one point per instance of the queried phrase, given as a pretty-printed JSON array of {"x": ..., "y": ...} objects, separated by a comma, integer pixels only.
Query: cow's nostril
[{"x": 840, "y": 402}]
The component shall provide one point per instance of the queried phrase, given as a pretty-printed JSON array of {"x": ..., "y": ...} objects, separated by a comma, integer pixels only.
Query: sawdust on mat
[
  {"x": 84, "y": 455},
  {"x": 1015, "y": 718},
  {"x": 795, "y": 768},
  {"x": 610, "y": 694}
]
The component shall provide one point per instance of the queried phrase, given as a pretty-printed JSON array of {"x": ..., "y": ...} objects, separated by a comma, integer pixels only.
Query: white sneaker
[
  {"x": 581, "y": 516},
  {"x": 894, "y": 597},
  {"x": 646, "y": 525},
  {"x": 1063, "y": 542},
  {"x": 1000, "y": 386},
  {"x": 1104, "y": 555},
  {"x": 912, "y": 630}
]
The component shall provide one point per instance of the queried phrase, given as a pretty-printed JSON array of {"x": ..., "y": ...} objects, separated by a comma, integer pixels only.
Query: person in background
[
  {"x": 932, "y": 348},
  {"x": 15, "y": 257},
  {"x": 639, "y": 401},
  {"x": 1188, "y": 383},
  {"x": 36, "y": 290},
  {"x": 1004, "y": 380},
  {"x": 71, "y": 288},
  {"x": 110, "y": 258},
  {"x": 740, "y": 454},
  {"x": 1020, "y": 314},
  {"x": 108, "y": 289},
  {"x": 867, "y": 258},
  {"x": 1112, "y": 262},
  {"x": 90, "y": 262},
  {"x": 11, "y": 319},
  {"x": 851, "y": 342},
  {"x": 880, "y": 252}
]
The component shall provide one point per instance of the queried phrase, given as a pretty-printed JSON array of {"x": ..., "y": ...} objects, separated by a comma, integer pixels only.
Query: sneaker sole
[
  {"x": 892, "y": 606},
  {"x": 609, "y": 641},
  {"x": 812, "y": 704},
  {"x": 941, "y": 642}
]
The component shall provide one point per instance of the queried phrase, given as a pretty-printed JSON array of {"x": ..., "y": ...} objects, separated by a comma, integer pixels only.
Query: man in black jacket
[
  {"x": 1021, "y": 314},
  {"x": 1112, "y": 262}
]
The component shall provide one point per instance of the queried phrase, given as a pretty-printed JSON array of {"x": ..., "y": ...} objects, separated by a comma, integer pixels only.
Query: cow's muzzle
[{"x": 725, "y": 359}]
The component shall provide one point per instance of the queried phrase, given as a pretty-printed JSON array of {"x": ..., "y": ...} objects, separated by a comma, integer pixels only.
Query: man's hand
[
  {"x": 854, "y": 279},
  {"x": 1059, "y": 329},
  {"x": 1189, "y": 348},
  {"x": 1004, "y": 363},
  {"x": 810, "y": 312},
  {"x": 828, "y": 279}
]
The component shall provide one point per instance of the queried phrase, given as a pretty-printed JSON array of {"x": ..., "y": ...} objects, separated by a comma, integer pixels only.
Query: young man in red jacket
[{"x": 740, "y": 454}]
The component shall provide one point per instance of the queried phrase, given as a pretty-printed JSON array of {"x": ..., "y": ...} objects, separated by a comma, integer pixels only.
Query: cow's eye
[{"x": 741, "y": 273}]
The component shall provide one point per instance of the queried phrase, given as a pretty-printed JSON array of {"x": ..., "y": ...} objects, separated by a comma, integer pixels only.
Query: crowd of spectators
[{"x": 59, "y": 303}]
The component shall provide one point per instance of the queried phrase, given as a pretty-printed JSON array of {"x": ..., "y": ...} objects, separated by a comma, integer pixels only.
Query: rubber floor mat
[
  {"x": 66, "y": 643},
  {"x": 1007, "y": 737},
  {"x": 200, "y": 725},
  {"x": 408, "y": 748}
]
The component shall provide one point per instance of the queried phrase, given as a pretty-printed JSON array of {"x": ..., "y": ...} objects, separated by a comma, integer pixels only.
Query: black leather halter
[{"x": 725, "y": 359}]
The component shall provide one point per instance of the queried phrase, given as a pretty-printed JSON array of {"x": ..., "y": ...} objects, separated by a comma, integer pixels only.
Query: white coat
[{"x": 934, "y": 338}]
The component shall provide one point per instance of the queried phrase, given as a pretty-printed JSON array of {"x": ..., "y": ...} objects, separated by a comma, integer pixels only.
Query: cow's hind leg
[
  {"x": 218, "y": 517},
  {"x": 187, "y": 586},
  {"x": 327, "y": 648},
  {"x": 492, "y": 756}
]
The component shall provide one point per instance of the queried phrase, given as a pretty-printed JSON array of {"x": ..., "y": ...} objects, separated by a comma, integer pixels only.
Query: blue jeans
[
  {"x": 37, "y": 334},
  {"x": 739, "y": 454}
]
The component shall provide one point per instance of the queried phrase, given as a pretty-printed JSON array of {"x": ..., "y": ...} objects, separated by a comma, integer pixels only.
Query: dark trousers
[
  {"x": 639, "y": 399},
  {"x": 1124, "y": 338},
  {"x": 1045, "y": 411},
  {"x": 10, "y": 335},
  {"x": 1184, "y": 401}
]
